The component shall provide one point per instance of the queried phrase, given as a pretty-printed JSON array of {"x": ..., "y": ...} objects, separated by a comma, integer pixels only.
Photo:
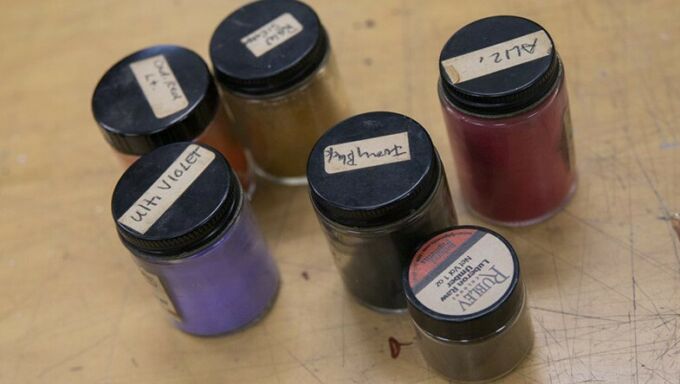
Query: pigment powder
[
  {"x": 161, "y": 95},
  {"x": 181, "y": 212},
  {"x": 505, "y": 104},
  {"x": 280, "y": 80},
  {"x": 468, "y": 304},
  {"x": 379, "y": 189}
]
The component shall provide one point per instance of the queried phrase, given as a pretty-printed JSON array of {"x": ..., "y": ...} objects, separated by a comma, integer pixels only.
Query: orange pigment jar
[{"x": 161, "y": 95}]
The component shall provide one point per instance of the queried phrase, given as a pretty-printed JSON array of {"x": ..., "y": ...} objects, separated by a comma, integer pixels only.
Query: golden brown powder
[{"x": 282, "y": 129}]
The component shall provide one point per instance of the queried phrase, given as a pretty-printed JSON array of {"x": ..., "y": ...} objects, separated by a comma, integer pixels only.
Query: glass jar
[
  {"x": 378, "y": 189},
  {"x": 181, "y": 213},
  {"x": 280, "y": 80},
  {"x": 161, "y": 95},
  {"x": 468, "y": 304},
  {"x": 505, "y": 104}
]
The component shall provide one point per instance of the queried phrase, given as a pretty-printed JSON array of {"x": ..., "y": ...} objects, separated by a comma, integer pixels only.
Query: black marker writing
[{"x": 515, "y": 51}]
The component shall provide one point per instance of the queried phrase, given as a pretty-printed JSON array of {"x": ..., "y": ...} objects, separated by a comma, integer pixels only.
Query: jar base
[
  {"x": 386, "y": 311},
  {"x": 252, "y": 187},
  {"x": 292, "y": 181},
  {"x": 250, "y": 323},
  {"x": 525, "y": 223},
  {"x": 518, "y": 335},
  {"x": 490, "y": 380},
  {"x": 287, "y": 181}
]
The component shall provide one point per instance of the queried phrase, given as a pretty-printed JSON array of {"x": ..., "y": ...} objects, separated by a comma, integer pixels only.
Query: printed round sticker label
[{"x": 462, "y": 272}]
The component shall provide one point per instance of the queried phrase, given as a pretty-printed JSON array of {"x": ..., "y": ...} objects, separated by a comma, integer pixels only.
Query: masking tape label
[{"x": 159, "y": 85}]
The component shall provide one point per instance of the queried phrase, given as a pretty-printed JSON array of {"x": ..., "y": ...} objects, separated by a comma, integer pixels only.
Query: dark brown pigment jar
[
  {"x": 504, "y": 97},
  {"x": 279, "y": 77},
  {"x": 379, "y": 190},
  {"x": 162, "y": 95},
  {"x": 468, "y": 303}
]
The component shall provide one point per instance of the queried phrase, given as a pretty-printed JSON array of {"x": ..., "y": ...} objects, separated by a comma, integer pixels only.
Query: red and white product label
[{"x": 461, "y": 272}]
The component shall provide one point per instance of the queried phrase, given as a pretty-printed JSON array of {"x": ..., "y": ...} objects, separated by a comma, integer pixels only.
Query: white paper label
[
  {"x": 366, "y": 153},
  {"x": 464, "y": 283},
  {"x": 167, "y": 188},
  {"x": 498, "y": 57},
  {"x": 272, "y": 34},
  {"x": 161, "y": 293},
  {"x": 161, "y": 88}
]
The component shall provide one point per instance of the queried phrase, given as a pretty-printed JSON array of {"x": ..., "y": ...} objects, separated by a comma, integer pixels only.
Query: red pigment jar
[{"x": 506, "y": 108}]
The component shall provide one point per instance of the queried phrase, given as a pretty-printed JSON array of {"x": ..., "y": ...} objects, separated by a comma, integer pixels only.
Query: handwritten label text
[
  {"x": 161, "y": 88},
  {"x": 160, "y": 196},
  {"x": 366, "y": 153},
  {"x": 498, "y": 57},
  {"x": 270, "y": 35}
]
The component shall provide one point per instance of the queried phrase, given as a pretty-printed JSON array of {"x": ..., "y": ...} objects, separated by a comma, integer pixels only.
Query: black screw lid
[
  {"x": 207, "y": 197},
  {"x": 464, "y": 283},
  {"x": 178, "y": 109},
  {"x": 372, "y": 169},
  {"x": 498, "y": 65},
  {"x": 268, "y": 46}
]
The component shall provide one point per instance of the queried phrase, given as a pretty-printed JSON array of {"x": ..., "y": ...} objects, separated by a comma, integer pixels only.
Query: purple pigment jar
[{"x": 181, "y": 211}]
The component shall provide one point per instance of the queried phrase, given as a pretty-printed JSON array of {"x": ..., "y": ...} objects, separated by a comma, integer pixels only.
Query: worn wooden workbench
[{"x": 603, "y": 276}]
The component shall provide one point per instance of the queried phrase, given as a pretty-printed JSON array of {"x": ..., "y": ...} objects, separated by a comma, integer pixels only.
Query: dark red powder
[{"x": 517, "y": 169}]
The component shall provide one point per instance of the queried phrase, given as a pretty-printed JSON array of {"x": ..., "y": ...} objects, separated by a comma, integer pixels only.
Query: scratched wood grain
[{"x": 603, "y": 276}]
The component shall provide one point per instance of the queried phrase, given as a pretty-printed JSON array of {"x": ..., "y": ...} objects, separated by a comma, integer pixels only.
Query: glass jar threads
[
  {"x": 379, "y": 189},
  {"x": 468, "y": 304},
  {"x": 161, "y": 95},
  {"x": 279, "y": 77},
  {"x": 181, "y": 213},
  {"x": 505, "y": 104}
]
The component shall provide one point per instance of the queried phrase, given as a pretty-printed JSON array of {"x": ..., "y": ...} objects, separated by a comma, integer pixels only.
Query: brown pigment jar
[
  {"x": 468, "y": 303},
  {"x": 279, "y": 78}
]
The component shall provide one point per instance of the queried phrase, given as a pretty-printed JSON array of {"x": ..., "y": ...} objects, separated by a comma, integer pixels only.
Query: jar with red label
[
  {"x": 505, "y": 104},
  {"x": 468, "y": 303}
]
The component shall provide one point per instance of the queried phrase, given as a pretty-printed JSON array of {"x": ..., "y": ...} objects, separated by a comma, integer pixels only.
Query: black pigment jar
[{"x": 379, "y": 189}]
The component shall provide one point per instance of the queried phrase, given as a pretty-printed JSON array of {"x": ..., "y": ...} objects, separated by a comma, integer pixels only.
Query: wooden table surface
[{"x": 603, "y": 275}]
